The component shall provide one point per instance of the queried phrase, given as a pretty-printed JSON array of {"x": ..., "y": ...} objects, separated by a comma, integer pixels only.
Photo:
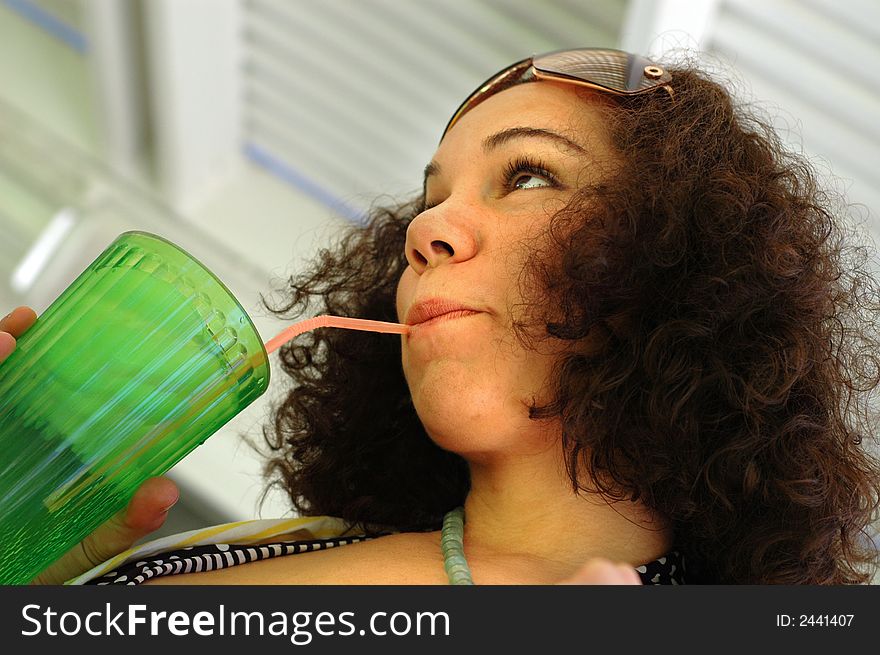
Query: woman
[{"x": 650, "y": 342}]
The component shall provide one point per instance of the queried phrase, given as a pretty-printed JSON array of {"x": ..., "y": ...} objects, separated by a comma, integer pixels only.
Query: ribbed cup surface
[{"x": 142, "y": 358}]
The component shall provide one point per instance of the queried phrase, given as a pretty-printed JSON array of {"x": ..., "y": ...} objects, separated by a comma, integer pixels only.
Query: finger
[
  {"x": 151, "y": 502},
  {"x": 7, "y": 345},
  {"x": 18, "y": 321},
  {"x": 601, "y": 571},
  {"x": 145, "y": 513}
]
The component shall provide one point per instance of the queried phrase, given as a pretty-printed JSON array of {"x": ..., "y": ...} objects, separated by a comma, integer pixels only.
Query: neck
[{"x": 523, "y": 511}]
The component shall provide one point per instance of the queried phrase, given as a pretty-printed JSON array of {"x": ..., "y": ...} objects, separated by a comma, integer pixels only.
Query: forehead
[{"x": 559, "y": 107}]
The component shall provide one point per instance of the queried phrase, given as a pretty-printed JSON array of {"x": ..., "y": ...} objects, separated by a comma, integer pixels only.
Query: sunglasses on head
[{"x": 612, "y": 71}]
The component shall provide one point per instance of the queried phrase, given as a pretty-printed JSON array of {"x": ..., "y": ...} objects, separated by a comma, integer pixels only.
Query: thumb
[{"x": 145, "y": 513}]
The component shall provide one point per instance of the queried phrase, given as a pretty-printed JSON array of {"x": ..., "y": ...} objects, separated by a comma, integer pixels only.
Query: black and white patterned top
[
  {"x": 157, "y": 559},
  {"x": 197, "y": 559}
]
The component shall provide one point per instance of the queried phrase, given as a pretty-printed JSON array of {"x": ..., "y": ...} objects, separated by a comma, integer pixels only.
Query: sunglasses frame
[{"x": 539, "y": 67}]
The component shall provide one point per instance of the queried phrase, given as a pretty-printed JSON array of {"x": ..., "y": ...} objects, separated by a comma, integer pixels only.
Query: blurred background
[{"x": 250, "y": 131}]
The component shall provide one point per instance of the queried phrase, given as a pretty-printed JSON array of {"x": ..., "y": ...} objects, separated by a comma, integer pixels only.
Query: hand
[
  {"x": 12, "y": 326},
  {"x": 146, "y": 512},
  {"x": 603, "y": 571}
]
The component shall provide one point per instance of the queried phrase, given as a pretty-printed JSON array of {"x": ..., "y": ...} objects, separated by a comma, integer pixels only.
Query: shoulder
[{"x": 407, "y": 558}]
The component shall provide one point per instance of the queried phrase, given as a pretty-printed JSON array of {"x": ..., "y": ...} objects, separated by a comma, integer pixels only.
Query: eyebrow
[{"x": 498, "y": 139}]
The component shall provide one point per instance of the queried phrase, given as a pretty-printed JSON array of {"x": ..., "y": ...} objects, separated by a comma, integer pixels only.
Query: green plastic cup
[{"x": 139, "y": 361}]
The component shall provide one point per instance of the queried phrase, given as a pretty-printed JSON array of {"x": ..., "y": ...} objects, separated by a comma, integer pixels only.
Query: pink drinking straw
[{"x": 333, "y": 321}]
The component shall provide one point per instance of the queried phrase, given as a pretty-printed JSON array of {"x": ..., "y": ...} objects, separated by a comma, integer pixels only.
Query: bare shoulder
[{"x": 409, "y": 558}]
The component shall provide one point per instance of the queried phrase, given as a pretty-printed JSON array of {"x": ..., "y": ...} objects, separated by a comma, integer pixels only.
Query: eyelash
[
  {"x": 527, "y": 165},
  {"x": 513, "y": 170}
]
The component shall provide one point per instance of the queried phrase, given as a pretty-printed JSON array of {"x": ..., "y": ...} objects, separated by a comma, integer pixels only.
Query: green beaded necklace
[{"x": 452, "y": 545}]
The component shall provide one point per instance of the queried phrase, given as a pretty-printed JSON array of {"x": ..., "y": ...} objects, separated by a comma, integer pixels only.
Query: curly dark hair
[{"x": 722, "y": 347}]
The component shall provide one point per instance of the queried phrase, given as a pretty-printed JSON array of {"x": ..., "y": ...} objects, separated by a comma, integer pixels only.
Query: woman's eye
[
  {"x": 530, "y": 181},
  {"x": 525, "y": 173}
]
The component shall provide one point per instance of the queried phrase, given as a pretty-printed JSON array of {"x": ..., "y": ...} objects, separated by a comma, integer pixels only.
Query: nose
[{"x": 435, "y": 237}]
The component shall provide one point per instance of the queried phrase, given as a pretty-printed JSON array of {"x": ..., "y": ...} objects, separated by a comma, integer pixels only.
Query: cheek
[{"x": 405, "y": 291}]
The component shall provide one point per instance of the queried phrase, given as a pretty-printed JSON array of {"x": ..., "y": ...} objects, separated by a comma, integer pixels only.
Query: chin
[{"x": 452, "y": 411}]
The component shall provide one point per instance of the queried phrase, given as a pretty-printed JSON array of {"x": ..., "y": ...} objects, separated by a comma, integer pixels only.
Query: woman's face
[{"x": 498, "y": 176}]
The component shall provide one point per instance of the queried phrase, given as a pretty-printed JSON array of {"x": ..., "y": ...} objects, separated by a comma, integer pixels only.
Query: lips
[{"x": 432, "y": 308}]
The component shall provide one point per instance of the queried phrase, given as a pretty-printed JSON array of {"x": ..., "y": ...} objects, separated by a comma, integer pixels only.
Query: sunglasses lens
[{"x": 614, "y": 70}]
